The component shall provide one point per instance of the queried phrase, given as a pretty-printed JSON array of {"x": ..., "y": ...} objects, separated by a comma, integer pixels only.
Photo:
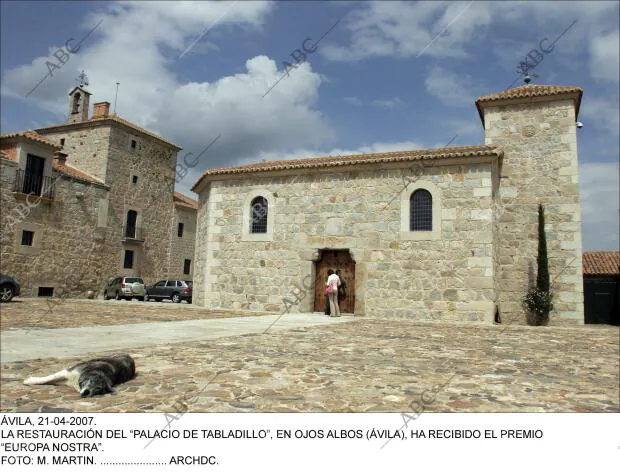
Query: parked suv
[
  {"x": 125, "y": 288},
  {"x": 9, "y": 287},
  {"x": 174, "y": 289}
]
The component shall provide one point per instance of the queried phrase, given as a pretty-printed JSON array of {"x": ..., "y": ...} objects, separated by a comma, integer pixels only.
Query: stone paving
[
  {"x": 61, "y": 313},
  {"x": 364, "y": 365}
]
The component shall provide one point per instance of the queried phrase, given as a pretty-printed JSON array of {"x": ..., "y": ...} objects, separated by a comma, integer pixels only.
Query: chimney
[
  {"x": 101, "y": 110},
  {"x": 60, "y": 158}
]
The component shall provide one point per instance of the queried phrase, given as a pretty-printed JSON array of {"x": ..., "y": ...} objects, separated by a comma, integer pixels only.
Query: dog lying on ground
[{"x": 93, "y": 377}]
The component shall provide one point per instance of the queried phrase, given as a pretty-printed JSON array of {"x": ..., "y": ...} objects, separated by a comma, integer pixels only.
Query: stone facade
[
  {"x": 182, "y": 247},
  {"x": 474, "y": 265},
  {"x": 449, "y": 277},
  {"x": 127, "y": 172},
  {"x": 540, "y": 166},
  {"x": 69, "y": 248}
]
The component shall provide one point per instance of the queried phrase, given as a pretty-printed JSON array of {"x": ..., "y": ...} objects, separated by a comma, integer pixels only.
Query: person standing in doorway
[
  {"x": 342, "y": 289},
  {"x": 327, "y": 311},
  {"x": 333, "y": 282}
]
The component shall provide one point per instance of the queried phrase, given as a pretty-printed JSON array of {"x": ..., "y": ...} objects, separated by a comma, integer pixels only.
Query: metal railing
[{"x": 37, "y": 184}]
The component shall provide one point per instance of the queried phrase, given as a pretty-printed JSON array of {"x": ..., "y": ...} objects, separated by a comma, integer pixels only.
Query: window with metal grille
[
  {"x": 258, "y": 215},
  {"x": 421, "y": 211}
]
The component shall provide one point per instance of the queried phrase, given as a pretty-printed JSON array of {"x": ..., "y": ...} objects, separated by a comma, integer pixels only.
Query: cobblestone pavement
[
  {"x": 366, "y": 365},
  {"x": 63, "y": 313}
]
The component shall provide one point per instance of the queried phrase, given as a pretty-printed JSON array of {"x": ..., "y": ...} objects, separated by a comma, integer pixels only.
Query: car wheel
[
  {"x": 118, "y": 296},
  {"x": 176, "y": 298},
  {"x": 6, "y": 293}
]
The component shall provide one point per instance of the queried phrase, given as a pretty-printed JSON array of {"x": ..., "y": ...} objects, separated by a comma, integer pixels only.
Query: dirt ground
[{"x": 63, "y": 313}]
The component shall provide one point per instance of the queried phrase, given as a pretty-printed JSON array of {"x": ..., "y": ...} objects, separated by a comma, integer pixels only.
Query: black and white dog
[{"x": 92, "y": 377}]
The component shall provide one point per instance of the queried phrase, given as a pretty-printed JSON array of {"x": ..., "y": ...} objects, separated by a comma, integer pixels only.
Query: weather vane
[
  {"x": 524, "y": 69},
  {"x": 82, "y": 79}
]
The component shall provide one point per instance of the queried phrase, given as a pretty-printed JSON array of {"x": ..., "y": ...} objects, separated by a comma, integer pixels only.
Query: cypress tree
[{"x": 543, "y": 282}]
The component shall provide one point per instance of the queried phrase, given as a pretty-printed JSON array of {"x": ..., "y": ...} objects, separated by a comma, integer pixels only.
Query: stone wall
[
  {"x": 539, "y": 166},
  {"x": 70, "y": 252},
  {"x": 182, "y": 248},
  {"x": 450, "y": 277},
  {"x": 87, "y": 148},
  {"x": 106, "y": 152},
  {"x": 152, "y": 162}
]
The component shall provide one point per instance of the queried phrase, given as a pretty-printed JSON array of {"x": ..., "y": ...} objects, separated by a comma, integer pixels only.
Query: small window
[
  {"x": 134, "y": 179},
  {"x": 171, "y": 284},
  {"x": 258, "y": 215},
  {"x": 45, "y": 292},
  {"x": 62, "y": 141},
  {"x": 27, "y": 237},
  {"x": 128, "y": 263},
  {"x": 180, "y": 230},
  {"x": 421, "y": 211},
  {"x": 133, "y": 144},
  {"x": 186, "y": 266}
]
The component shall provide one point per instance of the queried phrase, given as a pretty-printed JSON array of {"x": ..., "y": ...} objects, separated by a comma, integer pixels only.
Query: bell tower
[{"x": 79, "y": 99}]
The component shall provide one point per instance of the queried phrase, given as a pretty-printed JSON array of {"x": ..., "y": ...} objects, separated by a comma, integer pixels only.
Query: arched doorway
[{"x": 335, "y": 259}]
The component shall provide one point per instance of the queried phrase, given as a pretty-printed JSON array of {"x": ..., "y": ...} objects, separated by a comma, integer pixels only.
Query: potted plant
[{"x": 538, "y": 300}]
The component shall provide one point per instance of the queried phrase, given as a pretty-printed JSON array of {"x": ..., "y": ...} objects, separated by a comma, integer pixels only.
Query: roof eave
[{"x": 490, "y": 156}]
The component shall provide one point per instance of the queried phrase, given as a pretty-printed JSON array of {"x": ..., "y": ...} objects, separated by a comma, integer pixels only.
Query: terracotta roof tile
[
  {"x": 601, "y": 263},
  {"x": 530, "y": 91},
  {"x": 370, "y": 158},
  {"x": 74, "y": 172},
  {"x": 32, "y": 136},
  {"x": 184, "y": 201}
]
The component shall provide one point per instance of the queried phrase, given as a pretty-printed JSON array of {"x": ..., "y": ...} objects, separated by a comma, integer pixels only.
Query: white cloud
[
  {"x": 603, "y": 113},
  {"x": 604, "y": 57},
  {"x": 600, "y": 209},
  {"x": 454, "y": 90},
  {"x": 132, "y": 46},
  {"x": 353, "y": 101},
  {"x": 387, "y": 104}
]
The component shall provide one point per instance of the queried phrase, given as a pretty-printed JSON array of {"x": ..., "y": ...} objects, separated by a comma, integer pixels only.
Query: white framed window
[
  {"x": 258, "y": 216},
  {"x": 420, "y": 211}
]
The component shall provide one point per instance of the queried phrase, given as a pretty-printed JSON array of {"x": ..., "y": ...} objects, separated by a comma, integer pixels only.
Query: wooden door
[{"x": 335, "y": 259}]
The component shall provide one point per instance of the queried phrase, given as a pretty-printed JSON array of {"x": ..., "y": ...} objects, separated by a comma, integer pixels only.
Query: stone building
[
  {"x": 90, "y": 200},
  {"x": 445, "y": 234}
]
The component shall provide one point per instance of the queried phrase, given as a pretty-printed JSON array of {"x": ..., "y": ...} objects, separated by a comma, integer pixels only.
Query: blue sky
[{"x": 389, "y": 76}]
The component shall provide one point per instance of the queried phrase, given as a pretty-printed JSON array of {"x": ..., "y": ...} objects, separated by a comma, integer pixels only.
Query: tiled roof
[
  {"x": 32, "y": 136},
  {"x": 458, "y": 152},
  {"x": 112, "y": 118},
  {"x": 184, "y": 201},
  {"x": 601, "y": 263},
  {"x": 530, "y": 91},
  {"x": 74, "y": 172}
]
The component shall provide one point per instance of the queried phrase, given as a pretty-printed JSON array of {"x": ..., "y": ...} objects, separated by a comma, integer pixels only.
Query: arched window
[
  {"x": 421, "y": 211},
  {"x": 258, "y": 215}
]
